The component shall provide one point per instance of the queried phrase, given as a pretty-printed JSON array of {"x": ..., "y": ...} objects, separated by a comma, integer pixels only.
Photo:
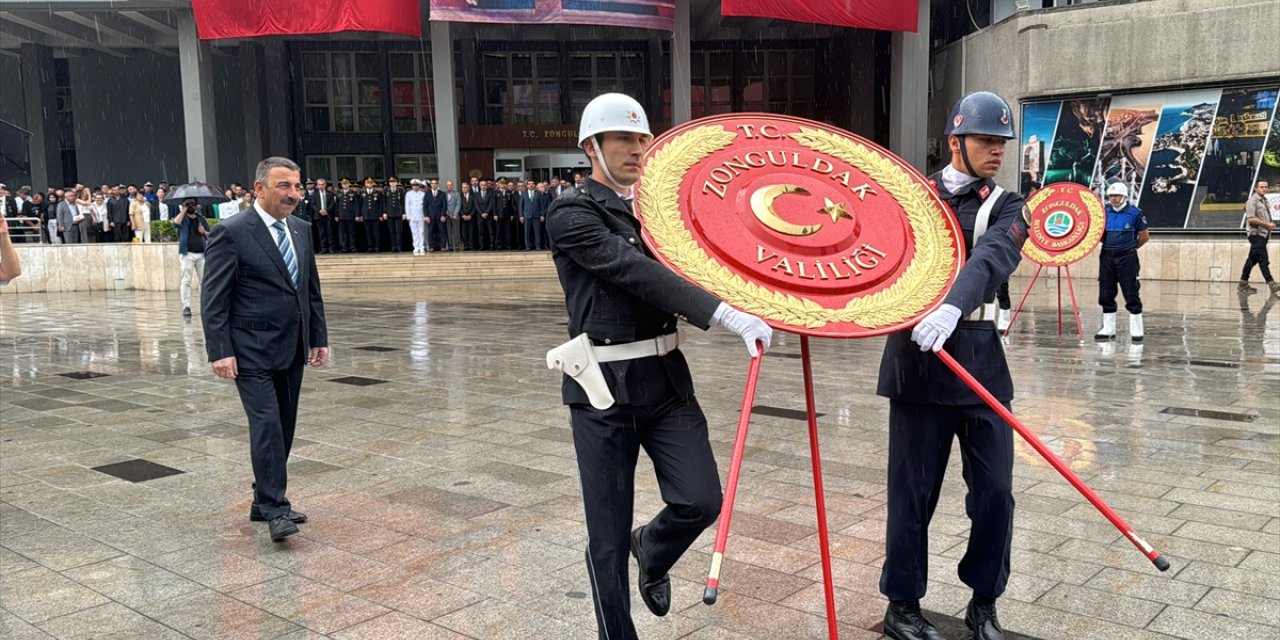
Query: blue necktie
[{"x": 286, "y": 251}]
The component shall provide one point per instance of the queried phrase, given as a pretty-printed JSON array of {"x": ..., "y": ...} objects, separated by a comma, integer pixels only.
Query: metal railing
[{"x": 24, "y": 230}]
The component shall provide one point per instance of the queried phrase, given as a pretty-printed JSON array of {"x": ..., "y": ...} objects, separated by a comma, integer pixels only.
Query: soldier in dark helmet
[{"x": 929, "y": 406}]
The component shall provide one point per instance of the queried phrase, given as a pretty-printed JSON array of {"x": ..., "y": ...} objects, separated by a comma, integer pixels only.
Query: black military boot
[
  {"x": 981, "y": 619},
  {"x": 903, "y": 621}
]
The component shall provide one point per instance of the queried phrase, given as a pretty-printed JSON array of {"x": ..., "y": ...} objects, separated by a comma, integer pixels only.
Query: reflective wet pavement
[{"x": 434, "y": 460}]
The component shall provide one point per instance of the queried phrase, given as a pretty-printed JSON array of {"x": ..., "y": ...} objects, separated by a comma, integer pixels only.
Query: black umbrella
[
  {"x": 13, "y": 151},
  {"x": 202, "y": 193}
]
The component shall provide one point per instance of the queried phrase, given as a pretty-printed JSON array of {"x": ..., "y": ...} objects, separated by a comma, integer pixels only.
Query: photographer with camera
[{"x": 192, "y": 231}]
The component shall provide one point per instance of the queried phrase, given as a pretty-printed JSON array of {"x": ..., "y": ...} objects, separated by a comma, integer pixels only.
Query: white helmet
[
  {"x": 612, "y": 112},
  {"x": 1117, "y": 189}
]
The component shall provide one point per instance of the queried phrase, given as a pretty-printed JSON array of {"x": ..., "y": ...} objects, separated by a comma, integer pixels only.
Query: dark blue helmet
[{"x": 981, "y": 113}]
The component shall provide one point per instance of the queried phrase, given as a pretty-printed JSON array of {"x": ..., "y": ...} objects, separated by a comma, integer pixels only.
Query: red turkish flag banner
[
  {"x": 884, "y": 15},
  {"x": 221, "y": 19}
]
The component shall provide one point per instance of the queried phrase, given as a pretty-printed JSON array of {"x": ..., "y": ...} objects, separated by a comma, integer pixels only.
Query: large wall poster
[
  {"x": 1176, "y": 155},
  {"x": 1189, "y": 157},
  {"x": 1270, "y": 168},
  {"x": 1076, "y": 141},
  {"x": 1039, "y": 122},
  {"x": 1126, "y": 142},
  {"x": 1232, "y": 159}
]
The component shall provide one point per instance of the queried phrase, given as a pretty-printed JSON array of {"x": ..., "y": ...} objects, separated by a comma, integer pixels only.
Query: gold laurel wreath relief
[
  {"x": 925, "y": 277},
  {"x": 1097, "y": 224}
]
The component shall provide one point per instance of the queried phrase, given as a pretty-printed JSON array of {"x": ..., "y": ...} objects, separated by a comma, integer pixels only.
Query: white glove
[
  {"x": 935, "y": 328},
  {"x": 748, "y": 327}
]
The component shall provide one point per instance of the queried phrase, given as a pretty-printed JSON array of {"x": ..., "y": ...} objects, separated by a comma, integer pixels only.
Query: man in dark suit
[
  {"x": 535, "y": 213},
  {"x": 437, "y": 205},
  {"x": 393, "y": 213},
  {"x": 486, "y": 207},
  {"x": 263, "y": 320},
  {"x": 8, "y": 205},
  {"x": 468, "y": 213},
  {"x": 118, "y": 215},
  {"x": 373, "y": 211},
  {"x": 623, "y": 305},
  {"x": 348, "y": 215},
  {"x": 322, "y": 203}
]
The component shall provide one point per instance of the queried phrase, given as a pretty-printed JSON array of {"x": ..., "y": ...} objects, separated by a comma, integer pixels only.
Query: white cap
[
  {"x": 612, "y": 112},
  {"x": 1117, "y": 189},
  {"x": 415, "y": 181}
]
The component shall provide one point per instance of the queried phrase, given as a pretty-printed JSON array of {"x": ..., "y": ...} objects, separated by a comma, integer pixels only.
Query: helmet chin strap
[
  {"x": 964, "y": 157},
  {"x": 613, "y": 183}
]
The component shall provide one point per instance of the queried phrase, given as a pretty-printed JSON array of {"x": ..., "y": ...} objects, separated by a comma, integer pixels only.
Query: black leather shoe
[
  {"x": 904, "y": 621},
  {"x": 981, "y": 619},
  {"x": 186, "y": 312},
  {"x": 256, "y": 516},
  {"x": 656, "y": 592},
  {"x": 281, "y": 528}
]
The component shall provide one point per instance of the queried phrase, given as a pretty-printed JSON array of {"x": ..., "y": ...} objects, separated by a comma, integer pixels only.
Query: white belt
[
  {"x": 984, "y": 312},
  {"x": 659, "y": 346},
  {"x": 580, "y": 360}
]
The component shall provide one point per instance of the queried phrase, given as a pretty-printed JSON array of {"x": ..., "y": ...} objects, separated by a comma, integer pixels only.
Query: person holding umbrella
[
  {"x": 206, "y": 196},
  {"x": 192, "y": 231}
]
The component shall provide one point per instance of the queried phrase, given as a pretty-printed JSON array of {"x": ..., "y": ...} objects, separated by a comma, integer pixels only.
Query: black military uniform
[
  {"x": 929, "y": 406},
  {"x": 306, "y": 207},
  {"x": 393, "y": 201},
  {"x": 616, "y": 292},
  {"x": 349, "y": 210},
  {"x": 506, "y": 212},
  {"x": 372, "y": 209}
]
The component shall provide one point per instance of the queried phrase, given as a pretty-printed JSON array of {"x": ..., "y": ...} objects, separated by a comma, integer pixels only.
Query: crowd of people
[
  {"x": 479, "y": 214},
  {"x": 420, "y": 217},
  {"x": 81, "y": 214}
]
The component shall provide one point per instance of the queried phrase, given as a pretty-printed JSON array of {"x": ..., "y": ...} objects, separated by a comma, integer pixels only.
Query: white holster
[{"x": 580, "y": 360}]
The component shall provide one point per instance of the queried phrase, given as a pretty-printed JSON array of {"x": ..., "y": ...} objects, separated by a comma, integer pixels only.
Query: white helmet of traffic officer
[
  {"x": 1117, "y": 189},
  {"x": 611, "y": 113}
]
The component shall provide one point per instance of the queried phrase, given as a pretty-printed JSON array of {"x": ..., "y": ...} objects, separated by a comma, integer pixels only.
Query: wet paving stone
[{"x": 440, "y": 482}]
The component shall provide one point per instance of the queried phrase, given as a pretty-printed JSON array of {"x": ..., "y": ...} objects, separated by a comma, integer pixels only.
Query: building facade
[{"x": 124, "y": 91}]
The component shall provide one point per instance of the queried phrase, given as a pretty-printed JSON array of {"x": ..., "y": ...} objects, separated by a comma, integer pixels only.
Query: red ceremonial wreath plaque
[
  {"x": 816, "y": 230},
  {"x": 1066, "y": 224}
]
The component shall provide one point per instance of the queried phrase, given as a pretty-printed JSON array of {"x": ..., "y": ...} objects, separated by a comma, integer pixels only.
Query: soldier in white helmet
[
  {"x": 626, "y": 382},
  {"x": 1118, "y": 263}
]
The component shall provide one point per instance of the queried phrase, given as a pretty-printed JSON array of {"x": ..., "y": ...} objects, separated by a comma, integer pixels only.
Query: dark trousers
[
  {"x": 469, "y": 234},
  {"x": 347, "y": 235},
  {"x": 1119, "y": 267},
  {"x": 1002, "y": 296},
  {"x": 372, "y": 234},
  {"x": 504, "y": 232},
  {"x": 436, "y": 235},
  {"x": 919, "y": 445},
  {"x": 674, "y": 434},
  {"x": 121, "y": 233},
  {"x": 487, "y": 233},
  {"x": 324, "y": 234},
  {"x": 395, "y": 232},
  {"x": 1257, "y": 255},
  {"x": 270, "y": 400},
  {"x": 533, "y": 234}
]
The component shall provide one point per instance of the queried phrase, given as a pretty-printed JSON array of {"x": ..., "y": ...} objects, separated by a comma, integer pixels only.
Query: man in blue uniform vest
[
  {"x": 929, "y": 406},
  {"x": 626, "y": 382},
  {"x": 1118, "y": 262}
]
